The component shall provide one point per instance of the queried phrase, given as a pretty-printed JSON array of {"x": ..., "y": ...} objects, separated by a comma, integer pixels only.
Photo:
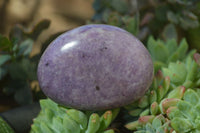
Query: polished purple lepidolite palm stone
[{"x": 95, "y": 67}]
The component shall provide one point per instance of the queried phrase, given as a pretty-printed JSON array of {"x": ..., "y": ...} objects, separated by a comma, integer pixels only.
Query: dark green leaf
[
  {"x": 169, "y": 32},
  {"x": 16, "y": 71},
  {"x": 25, "y": 47},
  {"x": 187, "y": 23},
  {"x": 172, "y": 17},
  {"x": 43, "y": 25},
  {"x": 131, "y": 24},
  {"x": 3, "y": 72},
  {"x": 119, "y": 5},
  {"x": 5, "y": 44},
  {"x": 4, "y": 59}
]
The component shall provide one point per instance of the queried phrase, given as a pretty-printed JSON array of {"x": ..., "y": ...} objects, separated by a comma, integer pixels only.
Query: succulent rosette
[{"x": 54, "y": 118}]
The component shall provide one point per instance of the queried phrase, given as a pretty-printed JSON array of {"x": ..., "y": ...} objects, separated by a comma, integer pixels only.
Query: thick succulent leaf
[
  {"x": 177, "y": 72},
  {"x": 181, "y": 125},
  {"x": 154, "y": 108},
  {"x": 60, "y": 119},
  {"x": 93, "y": 124},
  {"x": 79, "y": 117},
  {"x": 191, "y": 97},
  {"x": 171, "y": 46},
  {"x": 183, "y": 48},
  {"x": 132, "y": 125},
  {"x": 105, "y": 120},
  {"x": 157, "y": 49},
  {"x": 186, "y": 109},
  {"x": 70, "y": 125},
  {"x": 178, "y": 92}
]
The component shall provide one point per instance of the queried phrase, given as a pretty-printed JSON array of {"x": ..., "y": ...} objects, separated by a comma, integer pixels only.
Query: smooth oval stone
[{"x": 95, "y": 67}]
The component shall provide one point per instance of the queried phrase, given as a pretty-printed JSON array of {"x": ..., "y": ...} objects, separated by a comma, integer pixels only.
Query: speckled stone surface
[{"x": 95, "y": 67}]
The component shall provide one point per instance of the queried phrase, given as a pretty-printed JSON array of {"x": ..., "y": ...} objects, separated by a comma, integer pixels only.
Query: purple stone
[{"x": 95, "y": 67}]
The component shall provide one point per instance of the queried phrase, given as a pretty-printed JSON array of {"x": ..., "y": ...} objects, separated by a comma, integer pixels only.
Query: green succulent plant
[
  {"x": 164, "y": 53},
  {"x": 55, "y": 118},
  {"x": 17, "y": 68},
  {"x": 148, "y": 104},
  {"x": 185, "y": 116},
  {"x": 185, "y": 73},
  {"x": 151, "y": 124},
  {"x": 176, "y": 71}
]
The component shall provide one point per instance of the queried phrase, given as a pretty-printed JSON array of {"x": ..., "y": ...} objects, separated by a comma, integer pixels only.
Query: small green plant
[
  {"x": 56, "y": 118},
  {"x": 17, "y": 68}
]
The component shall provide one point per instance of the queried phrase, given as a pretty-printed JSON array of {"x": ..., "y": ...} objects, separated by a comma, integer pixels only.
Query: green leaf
[
  {"x": 25, "y": 47},
  {"x": 105, "y": 120},
  {"x": 187, "y": 23},
  {"x": 145, "y": 112},
  {"x": 5, "y": 44},
  {"x": 149, "y": 128},
  {"x": 45, "y": 128},
  {"x": 135, "y": 112},
  {"x": 37, "y": 30},
  {"x": 49, "y": 114},
  {"x": 143, "y": 102},
  {"x": 119, "y": 5},
  {"x": 109, "y": 131},
  {"x": 70, "y": 125},
  {"x": 4, "y": 127},
  {"x": 3, "y": 72},
  {"x": 94, "y": 123},
  {"x": 181, "y": 125},
  {"x": 48, "y": 103},
  {"x": 186, "y": 109},
  {"x": 157, "y": 122},
  {"x": 4, "y": 59},
  {"x": 131, "y": 24},
  {"x": 171, "y": 46},
  {"x": 178, "y": 92},
  {"x": 154, "y": 108},
  {"x": 176, "y": 71},
  {"x": 183, "y": 48},
  {"x": 191, "y": 96},
  {"x": 78, "y": 116},
  {"x": 169, "y": 32},
  {"x": 57, "y": 125},
  {"x": 192, "y": 70},
  {"x": 132, "y": 125},
  {"x": 153, "y": 96},
  {"x": 157, "y": 50},
  {"x": 172, "y": 17}
]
